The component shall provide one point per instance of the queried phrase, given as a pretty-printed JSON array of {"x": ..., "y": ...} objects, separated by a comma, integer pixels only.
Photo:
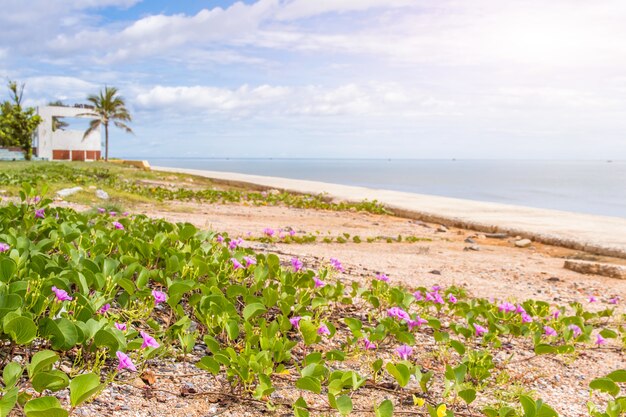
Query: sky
[{"x": 480, "y": 79}]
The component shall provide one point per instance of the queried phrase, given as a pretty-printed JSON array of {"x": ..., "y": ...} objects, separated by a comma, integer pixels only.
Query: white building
[{"x": 63, "y": 144}]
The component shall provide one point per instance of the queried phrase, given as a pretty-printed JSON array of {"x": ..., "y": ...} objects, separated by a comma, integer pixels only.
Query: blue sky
[{"x": 335, "y": 78}]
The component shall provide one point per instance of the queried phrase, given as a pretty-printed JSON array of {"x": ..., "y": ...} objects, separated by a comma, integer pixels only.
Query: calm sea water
[{"x": 595, "y": 187}]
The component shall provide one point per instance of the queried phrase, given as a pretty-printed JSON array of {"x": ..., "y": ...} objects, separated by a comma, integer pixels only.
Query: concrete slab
[{"x": 601, "y": 235}]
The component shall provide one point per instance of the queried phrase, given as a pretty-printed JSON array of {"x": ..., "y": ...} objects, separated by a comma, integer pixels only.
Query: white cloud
[
  {"x": 43, "y": 89},
  {"x": 297, "y": 9}
]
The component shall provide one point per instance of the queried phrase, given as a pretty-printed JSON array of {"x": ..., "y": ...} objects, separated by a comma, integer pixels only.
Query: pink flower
[
  {"x": 600, "y": 340},
  {"x": 219, "y": 238},
  {"x": 549, "y": 331},
  {"x": 323, "y": 330},
  {"x": 101, "y": 210},
  {"x": 118, "y": 225},
  {"x": 4, "y": 247},
  {"x": 526, "y": 318},
  {"x": 269, "y": 231},
  {"x": 452, "y": 299},
  {"x": 418, "y": 295},
  {"x": 121, "y": 326},
  {"x": 249, "y": 261},
  {"x": 318, "y": 282},
  {"x": 556, "y": 314},
  {"x": 398, "y": 313},
  {"x": 125, "y": 213},
  {"x": 104, "y": 308},
  {"x": 125, "y": 362},
  {"x": 435, "y": 297},
  {"x": 112, "y": 213},
  {"x": 236, "y": 263},
  {"x": 159, "y": 296},
  {"x": 416, "y": 323},
  {"x": 480, "y": 330},
  {"x": 576, "y": 331},
  {"x": 593, "y": 299},
  {"x": 40, "y": 213},
  {"x": 336, "y": 264},
  {"x": 296, "y": 264},
  {"x": 368, "y": 345},
  {"x": 148, "y": 341},
  {"x": 37, "y": 199},
  {"x": 404, "y": 351},
  {"x": 520, "y": 309},
  {"x": 292, "y": 232},
  {"x": 61, "y": 294},
  {"x": 234, "y": 244},
  {"x": 295, "y": 321},
  {"x": 506, "y": 307},
  {"x": 382, "y": 277},
  {"x": 613, "y": 300}
]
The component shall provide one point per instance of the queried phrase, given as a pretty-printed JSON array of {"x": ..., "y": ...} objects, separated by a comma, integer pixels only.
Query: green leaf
[
  {"x": 543, "y": 349},
  {"x": 53, "y": 380},
  {"x": 618, "y": 376},
  {"x": 8, "y": 401},
  {"x": 309, "y": 332},
  {"x": 41, "y": 361},
  {"x": 605, "y": 385},
  {"x": 400, "y": 372},
  {"x": 83, "y": 388},
  {"x": 310, "y": 384},
  {"x": 344, "y": 404},
  {"x": 468, "y": 395},
  {"x": 608, "y": 333},
  {"x": 7, "y": 269},
  {"x": 546, "y": 411},
  {"x": 8, "y": 303},
  {"x": 458, "y": 346},
  {"x": 209, "y": 364},
  {"x": 21, "y": 329},
  {"x": 44, "y": 407},
  {"x": 528, "y": 404},
  {"x": 111, "y": 338},
  {"x": 300, "y": 408},
  {"x": 384, "y": 409},
  {"x": 12, "y": 371},
  {"x": 253, "y": 310}
]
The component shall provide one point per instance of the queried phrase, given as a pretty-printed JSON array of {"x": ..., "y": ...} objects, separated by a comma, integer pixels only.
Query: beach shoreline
[{"x": 598, "y": 235}]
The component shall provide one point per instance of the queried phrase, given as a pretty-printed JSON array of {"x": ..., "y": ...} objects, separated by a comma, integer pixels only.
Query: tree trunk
[{"x": 106, "y": 142}]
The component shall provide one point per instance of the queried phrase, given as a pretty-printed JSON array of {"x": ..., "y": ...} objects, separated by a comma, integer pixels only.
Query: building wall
[{"x": 65, "y": 144}]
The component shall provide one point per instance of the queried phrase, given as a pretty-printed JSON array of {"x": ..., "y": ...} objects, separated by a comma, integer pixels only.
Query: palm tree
[{"x": 107, "y": 107}]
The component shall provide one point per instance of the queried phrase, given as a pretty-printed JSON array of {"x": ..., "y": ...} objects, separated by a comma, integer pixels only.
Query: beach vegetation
[{"x": 17, "y": 123}]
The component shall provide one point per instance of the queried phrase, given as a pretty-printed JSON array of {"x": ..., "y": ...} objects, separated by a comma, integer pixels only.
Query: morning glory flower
[
  {"x": 249, "y": 261},
  {"x": 125, "y": 213},
  {"x": 112, "y": 213},
  {"x": 323, "y": 330},
  {"x": 4, "y": 247},
  {"x": 104, "y": 308},
  {"x": 416, "y": 323},
  {"x": 295, "y": 321},
  {"x": 159, "y": 296},
  {"x": 506, "y": 307},
  {"x": 236, "y": 263},
  {"x": 593, "y": 299},
  {"x": 436, "y": 288},
  {"x": 219, "y": 238},
  {"x": 418, "y": 295},
  {"x": 121, "y": 326},
  {"x": 520, "y": 309},
  {"x": 404, "y": 351},
  {"x": 118, "y": 225},
  {"x": 296, "y": 264},
  {"x": 40, "y": 213},
  {"x": 526, "y": 318},
  {"x": 125, "y": 362},
  {"x": 61, "y": 294},
  {"x": 101, "y": 210},
  {"x": 336, "y": 264},
  {"x": 292, "y": 232},
  {"x": 549, "y": 331},
  {"x": 318, "y": 282},
  {"x": 600, "y": 340},
  {"x": 269, "y": 231},
  {"x": 575, "y": 330},
  {"x": 233, "y": 244},
  {"x": 148, "y": 341},
  {"x": 613, "y": 300},
  {"x": 368, "y": 345},
  {"x": 452, "y": 299},
  {"x": 382, "y": 277},
  {"x": 398, "y": 313},
  {"x": 37, "y": 199},
  {"x": 556, "y": 314},
  {"x": 480, "y": 330}
]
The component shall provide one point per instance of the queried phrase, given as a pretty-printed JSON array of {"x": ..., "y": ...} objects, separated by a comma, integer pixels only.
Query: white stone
[
  {"x": 68, "y": 191},
  {"x": 101, "y": 194}
]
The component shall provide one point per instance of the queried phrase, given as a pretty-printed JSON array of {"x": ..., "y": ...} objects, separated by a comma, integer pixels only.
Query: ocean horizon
[{"x": 592, "y": 187}]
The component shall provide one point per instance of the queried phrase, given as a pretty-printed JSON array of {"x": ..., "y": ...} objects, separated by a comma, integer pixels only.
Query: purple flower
[
  {"x": 121, "y": 326},
  {"x": 296, "y": 264},
  {"x": 368, "y": 345},
  {"x": 125, "y": 362},
  {"x": 101, "y": 210},
  {"x": 104, "y": 308},
  {"x": 549, "y": 331},
  {"x": 418, "y": 295},
  {"x": 219, "y": 238},
  {"x": 404, "y": 351},
  {"x": 118, "y": 225},
  {"x": 61, "y": 294},
  {"x": 249, "y": 261},
  {"x": 318, "y": 282},
  {"x": 125, "y": 214},
  {"x": 336, "y": 264},
  {"x": 234, "y": 244},
  {"x": 40, "y": 213},
  {"x": 613, "y": 300},
  {"x": 37, "y": 199},
  {"x": 398, "y": 313},
  {"x": 506, "y": 307},
  {"x": 292, "y": 232},
  {"x": 593, "y": 299},
  {"x": 159, "y": 296},
  {"x": 576, "y": 331},
  {"x": 416, "y": 323},
  {"x": 436, "y": 288},
  {"x": 480, "y": 330},
  {"x": 520, "y": 309},
  {"x": 236, "y": 263},
  {"x": 452, "y": 299},
  {"x": 269, "y": 232},
  {"x": 4, "y": 247},
  {"x": 600, "y": 340},
  {"x": 295, "y": 321},
  {"x": 112, "y": 213},
  {"x": 323, "y": 330},
  {"x": 435, "y": 297},
  {"x": 556, "y": 314},
  {"x": 148, "y": 341},
  {"x": 382, "y": 277},
  {"x": 526, "y": 318}
]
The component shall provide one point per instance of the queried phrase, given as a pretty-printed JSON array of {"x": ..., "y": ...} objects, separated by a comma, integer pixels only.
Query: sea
[{"x": 593, "y": 187}]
